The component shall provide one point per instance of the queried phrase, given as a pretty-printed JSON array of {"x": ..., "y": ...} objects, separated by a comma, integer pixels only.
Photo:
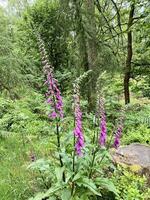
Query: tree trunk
[
  {"x": 129, "y": 57},
  {"x": 92, "y": 50},
  {"x": 81, "y": 36},
  {"x": 87, "y": 45},
  {"x": 82, "y": 41}
]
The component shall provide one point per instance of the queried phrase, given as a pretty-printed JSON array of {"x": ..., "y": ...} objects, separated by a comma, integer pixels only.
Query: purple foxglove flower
[
  {"x": 53, "y": 94},
  {"x": 118, "y": 133},
  {"x": 117, "y": 137},
  {"x": 54, "y": 97},
  {"x": 53, "y": 115},
  {"x": 78, "y": 123},
  {"x": 116, "y": 142},
  {"x": 49, "y": 101}
]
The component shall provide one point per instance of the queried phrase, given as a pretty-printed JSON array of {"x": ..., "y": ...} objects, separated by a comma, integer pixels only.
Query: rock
[{"x": 136, "y": 156}]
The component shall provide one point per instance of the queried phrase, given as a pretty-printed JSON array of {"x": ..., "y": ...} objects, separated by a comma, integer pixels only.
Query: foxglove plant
[
  {"x": 54, "y": 97},
  {"x": 78, "y": 132},
  {"x": 119, "y": 130},
  {"x": 101, "y": 139},
  {"x": 78, "y": 122},
  {"x": 53, "y": 94},
  {"x": 103, "y": 129}
]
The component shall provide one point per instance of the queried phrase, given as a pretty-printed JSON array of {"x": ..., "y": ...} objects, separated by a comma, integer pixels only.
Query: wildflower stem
[
  {"x": 58, "y": 146},
  {"x": 73, "y": 166},
  {"x": 92, "y": 163},
  {"x": 94, "y": 135},
  {"x": 93, "y": 140},
  {"x": 73, "y": 159},
  {"x": 73, "y": 163},
  {"x": 109, "y": 144}
]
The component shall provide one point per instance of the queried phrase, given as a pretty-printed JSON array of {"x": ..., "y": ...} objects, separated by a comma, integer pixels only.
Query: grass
[
  {"x": 13, "y": 175},
  {"x": 16, "y": 181}
]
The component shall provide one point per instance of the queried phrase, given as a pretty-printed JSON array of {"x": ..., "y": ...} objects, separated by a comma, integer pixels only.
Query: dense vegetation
[{"x": 74, "y": 84}]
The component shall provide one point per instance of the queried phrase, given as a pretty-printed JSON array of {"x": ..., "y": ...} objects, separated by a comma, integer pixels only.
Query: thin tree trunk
[
  {"x": 92, "y": 50},
  {"x": 82, "y": 41},
  {"x": 129, "y": 57},
  {"x": 81, "y": 37},
  {"x": 87, "y": 46}
]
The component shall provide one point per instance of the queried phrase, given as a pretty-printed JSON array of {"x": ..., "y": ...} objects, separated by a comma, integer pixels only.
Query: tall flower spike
[
  {"x": 78, "y": 122},
  {"x": 103, "y": 129},
  {"x": 53, "y": 94},
  {"x": 118, "y": 133}
]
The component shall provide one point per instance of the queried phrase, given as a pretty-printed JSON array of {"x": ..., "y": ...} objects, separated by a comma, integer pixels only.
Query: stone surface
[
  {"x": 133, "y": 154},
  {"x": 136, "y": 156}
]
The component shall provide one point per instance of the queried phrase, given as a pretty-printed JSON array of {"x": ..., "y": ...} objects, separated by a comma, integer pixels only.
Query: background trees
[
  {"x": 79, "y": 36},
  {"x": 10, "y": 69}
]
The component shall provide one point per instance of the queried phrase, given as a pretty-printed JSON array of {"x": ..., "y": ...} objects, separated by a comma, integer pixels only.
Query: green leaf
[
  {"x": 49, "y": 193},
  {"x": 76, "y": 177},
  {"x": 66, "y": 194},
  {"x": 106, "y": 183},
  {"x": 39, "y": 196},
  {"x": 88, "y": 183},
  {"x": 68, "y": 176},
  {"x": 52, "y": 198},
  {"x": 40, "y": 164},
  {"x": 59, "y": 173},
  {"x": 84, "y": 197},
  {"x": 54, "y": 189}
]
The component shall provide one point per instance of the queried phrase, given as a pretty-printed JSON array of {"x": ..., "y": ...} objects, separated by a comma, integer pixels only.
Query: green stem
[
  {"x": 73, "y": 163},
  {"x": 94, "y": 127},
  {"x": 106, "y": 149},
  {"x": 94, "y": 136},
  {"x": 94, "y": 155},
  {"x": 73, "y": 160},
  {"x": 58, "y": 147},
  {"x": 95, "y": 140},
  {"x": 92, "y": 163},
  {"x": 58, "y": 140}
]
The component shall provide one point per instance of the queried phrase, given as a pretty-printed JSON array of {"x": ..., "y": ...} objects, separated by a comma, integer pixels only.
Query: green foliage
[
  {"x": 23, "y": 123},
  {"x": 28, "y": 131},
  {"x": 137, "y": 135},
  {"x": 52, "y": 24},
  {"x": 22, "y": 120},
  {"x": 85, "y": 188},
  {"x": 15, "y": 182},
  {"x": 137, "y": 124},
  {"x": 130, "y": 186},
  {"x": 13, "y": 61},
  {"x": 21, "y": 126},
  {"x": 24, "y": 116},
  {"x": 90, "y": 187}
]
